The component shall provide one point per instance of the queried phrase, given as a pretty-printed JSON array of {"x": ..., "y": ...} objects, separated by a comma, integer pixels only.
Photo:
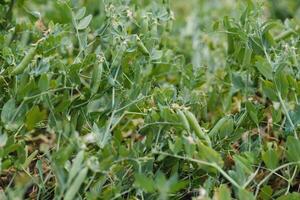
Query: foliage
[{"x": 140, "y": 99}]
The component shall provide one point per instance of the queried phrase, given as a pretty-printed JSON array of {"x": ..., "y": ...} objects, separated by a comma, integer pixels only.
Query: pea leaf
[
  {"x": 34, "y": 116},
  {"x": 270, "y": 158},
  {"x": 266, "y": 192},
  {"x": 8, "y": 111},
  {"x": 83, "y": 23},
  {"x": 293, "y": 149},
  {"x": 252, "y": 110},
  {"x": 290, "y": 196},
  {"x": 80, "y": 13},
  {"x": 222, "y": 193},
  {"x": 210, "y": 155},
  {"x": 245, "y": 195},
  {"x": 264, "y": 67},
  {"x": 43, "y": 83},
  {"x": 282, "y": 83},
  {"x": 269, "y": 90},
  {"x": 144, "y": 182}
]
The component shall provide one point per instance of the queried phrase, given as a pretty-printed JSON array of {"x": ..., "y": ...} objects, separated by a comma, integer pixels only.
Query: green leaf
[
  {"x": 156, "y": 54},
  {"x": 238, "y": 81},
  {"x": 252, "y": 110},
  {"x": 210, "y": 155},
  {"x": 96, "y": 106},
  {"x": 103, "y": 136},
  {"x": 144, "y": 182},
  {"x": 223, "y": 128},
  {"x": 162, "y": 185},
  {"x": 189, "y": 147},
  {"x": 83, "y": 23},
  {"x": 264, "y": 67},
  {"x": 222, "y": 193},
  {"x": 34, "y": 116},
  {"x": 269, "y": 90},
  {"x": 270, "y": 158},
  {"x": 227, "y": 128},
  {"x": 255, "y": 43},
  {"x": 43, "y": 83},
  {"x": 176, "y": 185},
  {"x": 243, "y": 167},
  {"x": 295, "y": 117},
  {"x": 293, "y": 149},
  {"x": 80, "y": 13},
  {"x": 8, "y": 111},
  {"x": 282, "y": 83},
  {"x": 276, "y": 115},
  {"x": 245, "y": 195},
  {"x": 266, "y": 192},
  {"x": 290, "y": 196}
]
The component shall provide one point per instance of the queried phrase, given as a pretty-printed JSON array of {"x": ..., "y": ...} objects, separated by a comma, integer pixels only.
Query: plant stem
[
  {"x": 287, "y": 114},
  {"x": 202, "y": 162},
  {"x": 271, "y": 173}
]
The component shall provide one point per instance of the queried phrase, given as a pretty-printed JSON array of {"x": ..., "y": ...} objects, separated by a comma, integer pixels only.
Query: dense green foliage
[{"x": 149, "y": 99}]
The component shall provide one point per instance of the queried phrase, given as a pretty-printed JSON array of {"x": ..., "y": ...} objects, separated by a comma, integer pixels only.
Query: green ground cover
[{"x": 142, "y": 99}]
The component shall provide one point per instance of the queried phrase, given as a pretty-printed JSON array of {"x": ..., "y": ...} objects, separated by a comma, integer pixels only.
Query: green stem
[
  {"x": 202, "y": 162},
  {"x": 271, "y": 173},
  {"x": 287, "y": 114}
]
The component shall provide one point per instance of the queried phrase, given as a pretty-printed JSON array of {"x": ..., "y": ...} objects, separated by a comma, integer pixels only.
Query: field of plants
[{"x": 149, "y": 99}]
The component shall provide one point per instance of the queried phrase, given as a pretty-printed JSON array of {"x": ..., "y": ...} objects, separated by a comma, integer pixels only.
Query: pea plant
[{"x": 140, "y": 99}]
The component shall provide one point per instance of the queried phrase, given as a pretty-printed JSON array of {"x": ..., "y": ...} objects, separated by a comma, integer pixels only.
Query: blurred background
[
  {"x": 53, "y": 10},
  {"x": 194, "y": 28}
]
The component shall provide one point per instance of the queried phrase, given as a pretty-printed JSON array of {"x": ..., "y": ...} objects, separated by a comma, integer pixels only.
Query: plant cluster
[{"x": 141, "y": 99}]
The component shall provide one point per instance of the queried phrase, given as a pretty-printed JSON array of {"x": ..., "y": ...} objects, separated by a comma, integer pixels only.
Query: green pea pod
[
  {"x": 196, "y": 127},
  {"x": 284, "y": 35},
  {"x": 184, "y": 120},
  {"x": 217, "y": 127},
  {"x": 73, "y": 189},
  {"x": 230, "y": 39},
  {"x": 142, "y": 47},
  {"x": 223, "y": 128},
  {"x": 96, "y": 77},
  {"x": 247, "y": 56},
  {"x": 25, "y": 62}
]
